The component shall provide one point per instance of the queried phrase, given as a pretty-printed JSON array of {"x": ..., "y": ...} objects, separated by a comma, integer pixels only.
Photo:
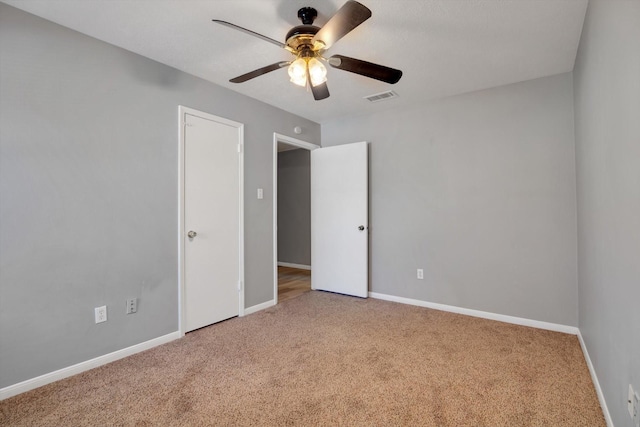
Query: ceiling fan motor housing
[
  {"x": 307, "y": 30},
  {"x": 300, "y": 38}
]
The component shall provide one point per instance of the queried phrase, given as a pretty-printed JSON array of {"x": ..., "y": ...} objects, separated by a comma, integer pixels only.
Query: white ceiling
[{"x": 444, "y": 47}]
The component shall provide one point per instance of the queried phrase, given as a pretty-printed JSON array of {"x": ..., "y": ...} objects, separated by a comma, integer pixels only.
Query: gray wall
[
  {"x": 479, "y": 191},
  {"x": 88, "y": 187},
  {"x": 607, "y": 107},
  {"x": 294, "y": 206}
]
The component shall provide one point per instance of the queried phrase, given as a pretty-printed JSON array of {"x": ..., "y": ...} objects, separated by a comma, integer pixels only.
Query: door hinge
[
  {"x": 239, "y": 148},
  {"x": 239, "y": 285}
]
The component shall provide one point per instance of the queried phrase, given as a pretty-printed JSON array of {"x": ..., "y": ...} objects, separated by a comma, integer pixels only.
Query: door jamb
[
  {"x": 298, "y": 143},
  {"x": 182, "y": 111}
]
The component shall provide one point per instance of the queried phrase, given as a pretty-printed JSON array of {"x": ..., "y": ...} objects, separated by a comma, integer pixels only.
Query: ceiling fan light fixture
[
  {"x": 298, "y": 72},
  {"x": 307, "y": 43}
]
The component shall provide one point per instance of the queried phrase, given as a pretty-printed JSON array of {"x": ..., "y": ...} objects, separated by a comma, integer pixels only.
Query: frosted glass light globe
[
  {"x": 317, "y": 72},
  {"x": 298, "y": 72}
]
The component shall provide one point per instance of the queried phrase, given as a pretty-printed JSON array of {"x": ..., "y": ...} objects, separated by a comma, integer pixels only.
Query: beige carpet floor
[{"x": 326, "y": 359}]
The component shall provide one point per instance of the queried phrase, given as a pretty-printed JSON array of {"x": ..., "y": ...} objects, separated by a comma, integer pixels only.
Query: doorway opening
[{"x": 292, "y": 266}]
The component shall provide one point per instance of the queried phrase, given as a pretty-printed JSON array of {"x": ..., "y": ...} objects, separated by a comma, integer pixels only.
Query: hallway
[{"x": 292, "y": 282}]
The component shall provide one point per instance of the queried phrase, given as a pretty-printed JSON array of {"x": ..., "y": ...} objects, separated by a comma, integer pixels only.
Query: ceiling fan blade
[
  {"x": 320, "y": 91},
  {"x": 348, "y": 17},
  {"x": 260, "y": 71},
  {"x": 364, "y": 68},
  {"x": 251, "y": 33}
]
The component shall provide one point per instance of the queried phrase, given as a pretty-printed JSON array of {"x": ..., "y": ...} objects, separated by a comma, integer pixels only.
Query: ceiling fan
[{"x": 307, "y": 43}]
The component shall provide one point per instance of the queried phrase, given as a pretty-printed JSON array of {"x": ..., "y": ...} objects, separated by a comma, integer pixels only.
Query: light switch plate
[
  {"x": 636, "y": 409},
  {"x": 633, "y": 405},
  {"x": 101, "y": 314}
]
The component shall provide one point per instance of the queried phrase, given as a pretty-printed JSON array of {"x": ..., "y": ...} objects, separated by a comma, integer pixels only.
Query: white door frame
[
  {"x": 298, "y": 143},
  {"x": 182, "y": 110}
]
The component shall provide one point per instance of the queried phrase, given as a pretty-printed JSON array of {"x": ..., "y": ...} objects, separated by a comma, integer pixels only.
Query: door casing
[{"x": 182, "y": 111}]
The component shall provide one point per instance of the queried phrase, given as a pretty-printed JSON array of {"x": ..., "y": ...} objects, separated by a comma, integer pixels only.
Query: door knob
[
  {"x": 361, "y": 228},
  {"x": 191, "y": 234}
]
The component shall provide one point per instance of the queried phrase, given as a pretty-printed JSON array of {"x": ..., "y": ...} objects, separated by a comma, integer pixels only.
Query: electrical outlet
[
  {"x": 101, "y": 314},
  {"x": 420, "y": 274},
  {"x": 132, "y": 305}
]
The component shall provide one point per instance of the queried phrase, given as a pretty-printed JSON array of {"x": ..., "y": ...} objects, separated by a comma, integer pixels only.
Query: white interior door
[
  {"x": 212, "y": 246},
  {"x": 339, "y": 219}
]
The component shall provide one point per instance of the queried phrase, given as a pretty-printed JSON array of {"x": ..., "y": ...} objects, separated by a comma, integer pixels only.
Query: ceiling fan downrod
[{"x": 307, "y": 15}]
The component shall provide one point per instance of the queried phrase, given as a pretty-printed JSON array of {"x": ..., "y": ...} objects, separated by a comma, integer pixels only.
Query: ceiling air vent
[{"x": 377, "y": 97}]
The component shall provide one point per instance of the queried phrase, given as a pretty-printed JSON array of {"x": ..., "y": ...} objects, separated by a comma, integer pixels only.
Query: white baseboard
[
  {"x": 289, "y": 264},
  {"x": 477, "y": 313},
  {"x": 596, "y": 383},
  {"x": 45, "y": 379},
  {"x": 259, "y": 307}
]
